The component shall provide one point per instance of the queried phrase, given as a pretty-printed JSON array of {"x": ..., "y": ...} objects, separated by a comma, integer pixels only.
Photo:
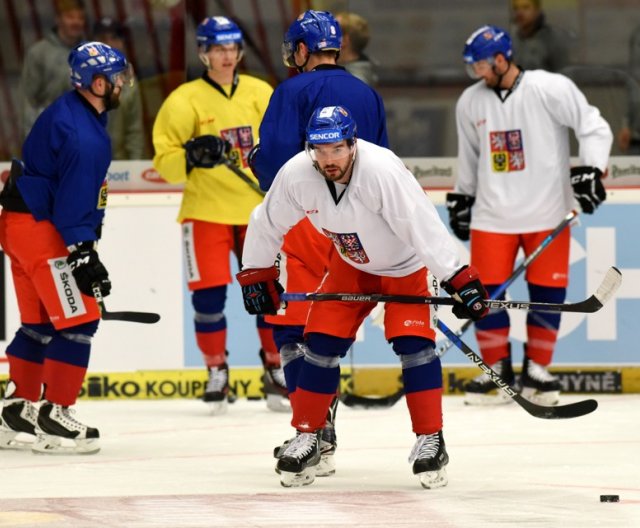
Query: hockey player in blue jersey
[
  {"x": 311, "y": 45},
  {"x": 53, "y": 207}
]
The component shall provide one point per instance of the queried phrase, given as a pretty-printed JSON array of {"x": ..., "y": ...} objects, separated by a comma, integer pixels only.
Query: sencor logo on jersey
[
  {"x": 67, "y": 289},
  {"x": 507, "y": 152},
  {"x": 349, "y": 246}
]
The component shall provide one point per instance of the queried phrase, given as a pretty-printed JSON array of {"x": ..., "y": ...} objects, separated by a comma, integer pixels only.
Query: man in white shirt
[
  {"x": 514, "y": 176},
  {"x": 388, "y": 238}
]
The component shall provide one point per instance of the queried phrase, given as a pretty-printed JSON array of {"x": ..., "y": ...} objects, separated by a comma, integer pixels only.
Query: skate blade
[
  {"x": 326, "y": 467},
  {"x": 296, "y": 480},
  {"x": 16, "y": 440},
  {"x": 217, "y": 408},
  {"x": 55, "y": 445},
  {"x": 496, "y": 397},
  {"x": 434, "y": 479},
  {"x": 278, "y": 403},
  {"x": 540, "y": 398}
]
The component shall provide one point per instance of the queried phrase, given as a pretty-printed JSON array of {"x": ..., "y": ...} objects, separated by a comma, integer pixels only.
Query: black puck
[{"x": 609, "y": 498}]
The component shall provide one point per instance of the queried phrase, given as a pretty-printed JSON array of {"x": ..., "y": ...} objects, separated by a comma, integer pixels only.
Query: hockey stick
[
  {"x": 571, "y": 410},
  {"x": 516, "y": 273},
  {"x": 240, "y": 174},
  {"x": 131, "y": 317},
  {"x": 370, "y": 402},
  {"x": 605, "y": 291}
]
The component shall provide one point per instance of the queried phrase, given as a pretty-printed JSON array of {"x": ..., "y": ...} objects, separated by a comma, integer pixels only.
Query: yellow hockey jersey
[{"x": 198, "y": 108}]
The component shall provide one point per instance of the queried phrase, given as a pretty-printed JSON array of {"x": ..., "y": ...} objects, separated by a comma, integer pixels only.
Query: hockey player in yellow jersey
[{"x": 200, "y": 124}]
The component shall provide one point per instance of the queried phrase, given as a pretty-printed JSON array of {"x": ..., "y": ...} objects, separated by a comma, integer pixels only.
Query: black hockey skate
[
  {"x": 328, "y": 445},
  {"x": 297, "y": 464},
  {"x": 18, "y": 416},
  {"x": 217, "y": 391},
  {"x": 58, "y": 432},
  {"x": 482, "y": 391},
  {"x": 429, "y": 457},
  {"x": 275, "y": 386},
  {"x": 538, "y": 385}
]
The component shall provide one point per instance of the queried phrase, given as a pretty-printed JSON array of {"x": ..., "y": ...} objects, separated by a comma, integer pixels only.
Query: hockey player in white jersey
[
  {"x": 389, "y": 238},
  {"x": 514, "y": 186}
]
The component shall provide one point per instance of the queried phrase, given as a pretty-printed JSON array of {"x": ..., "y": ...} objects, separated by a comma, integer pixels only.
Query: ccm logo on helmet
[{"x": 324, "y": 135}]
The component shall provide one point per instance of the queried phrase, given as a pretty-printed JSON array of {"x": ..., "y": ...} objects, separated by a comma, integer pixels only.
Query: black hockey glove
[
  {"x": 459, "y": 207},
  {"x": 205, "y": 151},
  {"x": 465, "y": 287},
  {"x": 260, "y": 290},
  {"x": 87, "y": 269},
  {"x": 588, "y": 188}
]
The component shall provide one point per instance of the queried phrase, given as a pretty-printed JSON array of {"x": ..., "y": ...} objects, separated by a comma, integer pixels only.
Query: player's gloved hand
[
  {"x": 588, "y": 188},
  {"x": 205, "y": 151},
  {"x": 459, "y": 207},
  {"x": 260, "y": 290},
  {"x": 465, "y": 287},
  {"x": 87, "y": 268}
]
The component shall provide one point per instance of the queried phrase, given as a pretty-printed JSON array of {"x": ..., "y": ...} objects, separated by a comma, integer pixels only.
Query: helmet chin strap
[
  {"x": 300, "y": 67},
  {"x": 501, "y": 75}
]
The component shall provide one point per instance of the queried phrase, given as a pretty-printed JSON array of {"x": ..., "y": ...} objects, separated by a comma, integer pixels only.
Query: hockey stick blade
[
  {"x": 371, "y": 402},
  {"x": 130, "y": 317},
  {"x": 571, "y": 410},
  {"x": 607, "y": 288}
]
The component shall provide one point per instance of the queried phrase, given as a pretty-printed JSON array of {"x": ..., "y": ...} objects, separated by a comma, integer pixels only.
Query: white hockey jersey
[
  {"x": 383, "y": 224},
  {"x": 513, "y": 155}
]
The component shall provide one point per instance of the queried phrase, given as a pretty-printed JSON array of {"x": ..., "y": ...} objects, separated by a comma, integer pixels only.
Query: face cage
[
  {"x": 288, "y": 50},
  {"x": 310, "y": 149},
  {"x": 491, "y": 61},
  {"x": 126, "y": 76}
]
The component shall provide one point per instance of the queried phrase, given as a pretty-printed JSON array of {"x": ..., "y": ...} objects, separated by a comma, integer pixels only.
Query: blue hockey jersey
[
  {"x": 66, "y": 157},
  {"x": 282, "y": 131}
]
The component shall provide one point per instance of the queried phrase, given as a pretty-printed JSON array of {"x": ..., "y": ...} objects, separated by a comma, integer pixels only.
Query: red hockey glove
[
  {"x": 260, "y": 290},
  {"x": 465, "y": 287}
]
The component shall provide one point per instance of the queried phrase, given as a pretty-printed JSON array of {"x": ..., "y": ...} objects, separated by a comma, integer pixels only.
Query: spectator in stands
[
  {"x": 355, "y": 37},
  {"x": 44, "y": 73},
  {"x": 126, "y": 123},
  {"x": 536, "y": 44},
  {"x": 629, "y": 135}
]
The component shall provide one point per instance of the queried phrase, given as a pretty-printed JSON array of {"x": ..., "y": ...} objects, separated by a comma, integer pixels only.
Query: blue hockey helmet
[
  {"x": 330, "y": 124},
  {"x": 95, "y": 58},
  {"x": 319, "y": 30},
  {"x": 485, "y": 43},
  {"x": 218, "y": 30}
]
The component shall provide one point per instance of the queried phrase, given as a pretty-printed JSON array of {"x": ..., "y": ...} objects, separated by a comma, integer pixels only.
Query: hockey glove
[
  {"x": 260, "y": 290},
  {"x": 588, "y": 188},
  {"x": 465, "y": 287},
  {"x": 87, "y": 269},
  {"x": 459, "y": 207},
  {"x": 205, "y": 151}
]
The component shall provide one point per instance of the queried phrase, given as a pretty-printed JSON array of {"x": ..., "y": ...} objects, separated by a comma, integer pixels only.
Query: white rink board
[{"x": 141, "y": 248}]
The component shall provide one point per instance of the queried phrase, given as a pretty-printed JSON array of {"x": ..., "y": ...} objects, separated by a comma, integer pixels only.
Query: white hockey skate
[
  {"x": 217, "y": 390},
  {"x": 59, "y": 433},
  {"x": 482, "y": 391},
  {"x": 17, "y": 422},
  {"x": 429, "y": 457},
  {"x": 297, "y": 464},
  {"x": 538, "y": 384}
]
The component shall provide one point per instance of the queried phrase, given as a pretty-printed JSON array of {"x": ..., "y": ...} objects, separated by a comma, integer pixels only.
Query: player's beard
[
  {"x": 111, "y": 98},
  {"x": 336, "y": 176}
]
